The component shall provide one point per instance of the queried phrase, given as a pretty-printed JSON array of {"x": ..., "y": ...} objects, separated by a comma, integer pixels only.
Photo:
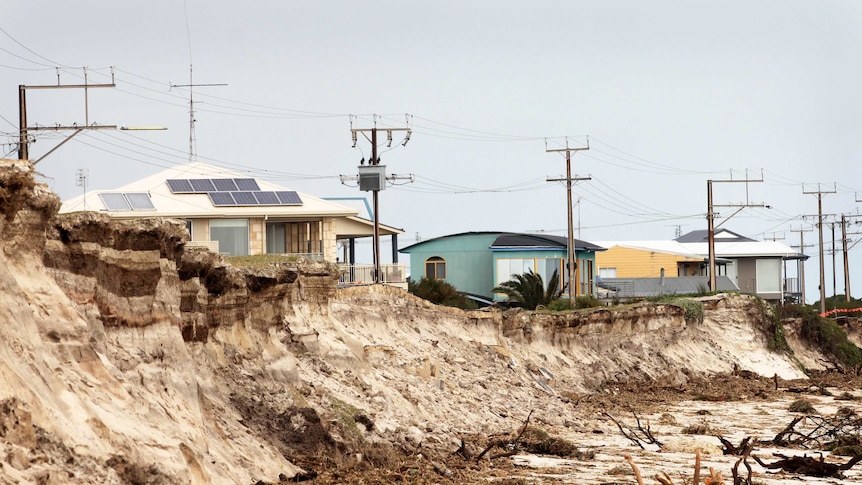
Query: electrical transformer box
[{"x": 372, "y": 177}]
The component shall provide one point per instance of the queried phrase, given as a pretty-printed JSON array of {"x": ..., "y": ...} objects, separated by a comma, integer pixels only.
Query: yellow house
[{"x": 629, "y": 260}]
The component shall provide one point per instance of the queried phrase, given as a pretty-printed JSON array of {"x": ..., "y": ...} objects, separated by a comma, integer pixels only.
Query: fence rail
[
  {"x": 791, "y": 285},
  {"x": 363, "y": 274}
]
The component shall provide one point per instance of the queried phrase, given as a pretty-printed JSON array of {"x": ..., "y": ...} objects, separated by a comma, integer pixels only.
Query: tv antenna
[{"x": 191, "y": 85}]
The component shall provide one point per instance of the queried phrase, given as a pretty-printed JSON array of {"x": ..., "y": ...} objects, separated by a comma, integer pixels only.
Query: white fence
[{"x": 363, "y": 274}]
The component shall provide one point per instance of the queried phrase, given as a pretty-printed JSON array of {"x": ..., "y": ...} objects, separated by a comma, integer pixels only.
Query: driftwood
[
  {"x": 663, "y": 478},
  {"x": 730, "y": 449},
  {"x": 637, "y": 436},
  {"x": 822, "y": 430},
  {"x": 743, "y": 454},
  {"x": 806, "y": 465},
  {"x": 784, "y": 437},
  {"x": 505, "y": 443},
  {"x": 463, "y": 451}
]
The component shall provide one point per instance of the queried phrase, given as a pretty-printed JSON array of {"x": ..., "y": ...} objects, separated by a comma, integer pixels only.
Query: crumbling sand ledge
[{"x": 127, "y": 357}]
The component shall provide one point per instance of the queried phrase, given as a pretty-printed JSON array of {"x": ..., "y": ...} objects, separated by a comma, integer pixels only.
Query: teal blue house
[{"x": 476, "y": 262}]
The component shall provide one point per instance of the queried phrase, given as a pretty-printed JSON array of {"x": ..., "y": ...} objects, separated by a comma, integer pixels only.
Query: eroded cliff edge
[{"x": 128, "y": 357}]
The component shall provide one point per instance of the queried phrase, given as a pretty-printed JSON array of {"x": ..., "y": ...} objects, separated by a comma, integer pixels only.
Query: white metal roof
[
  {"x": 168, "y": 204},
  {"x": 669, "y": 247},
  {"x": 701, "y": 249}
]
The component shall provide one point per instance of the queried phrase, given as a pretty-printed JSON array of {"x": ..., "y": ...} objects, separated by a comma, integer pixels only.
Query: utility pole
[
  {"x": 571, "y": 262},
  {"x": 845, "y": 243},
  {"x": 834, "y": 277},
  {"x": 24, "y": 130},
  {"x": 380, "y": 183},
  {"x": 710, "y": 218},
  {"x": 820, "y": 193},
  {"x": 800, "y": 264},
  {"x": 191, "y": 85}
]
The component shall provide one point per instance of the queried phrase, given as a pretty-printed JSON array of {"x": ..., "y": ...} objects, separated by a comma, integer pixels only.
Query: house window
[
  {"x": 435, "y": 268},
  {"x": 768, "y": 275},
  {"x": 276, "y": 242},
  {"x": 607, "y": 272},
  {"x": 585, "y": 275},
  {"x": 508, "y": 268},
  {"x": 189, "y": 228},
  {"x": 231, "y": 234}
]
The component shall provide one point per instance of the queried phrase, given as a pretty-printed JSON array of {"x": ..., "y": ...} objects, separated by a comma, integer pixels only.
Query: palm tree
[{"x": 528, "y": 289}]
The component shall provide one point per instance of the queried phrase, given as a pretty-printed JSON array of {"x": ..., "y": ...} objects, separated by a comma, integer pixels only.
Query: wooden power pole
[
  {"x": 820, "y": 193},
  {"x": 571, "y": 260}
]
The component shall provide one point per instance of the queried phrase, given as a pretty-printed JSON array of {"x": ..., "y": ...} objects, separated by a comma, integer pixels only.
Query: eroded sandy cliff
[{"x": 126, "y": 357}]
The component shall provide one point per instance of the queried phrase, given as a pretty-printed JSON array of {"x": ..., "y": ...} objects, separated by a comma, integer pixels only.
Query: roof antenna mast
[{"x": 191, "y": 85}]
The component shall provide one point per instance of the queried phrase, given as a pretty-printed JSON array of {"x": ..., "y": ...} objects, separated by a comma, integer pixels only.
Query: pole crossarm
[
  {"x": 24, "y": 128},
  {"x": 68, "y": 86},
  {"x": 710, "y": 217},
  {"x": 72, "y": 127}
]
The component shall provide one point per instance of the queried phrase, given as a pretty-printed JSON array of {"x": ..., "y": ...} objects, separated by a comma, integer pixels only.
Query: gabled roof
[
  {"x": 665, "y": 247},
  {"x": 516, "y": 240},
  {"x": 771, "y": 249},
  {"x": 193, "y": 205},
  {"x": 540, "y": 241},
  {"x": 729, "y": 245},
  {"x": 720, "y": 235}
]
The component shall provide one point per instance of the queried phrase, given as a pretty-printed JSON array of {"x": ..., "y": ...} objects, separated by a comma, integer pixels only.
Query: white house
[{"x": 235, "y": 214}]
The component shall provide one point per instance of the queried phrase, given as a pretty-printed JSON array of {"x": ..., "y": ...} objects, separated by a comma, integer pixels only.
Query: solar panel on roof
[
  {"x": 114, "y": 201},
  {"x": 224, "y": 185},
  {"x": 140, "y": 201},
  {"x": 244, "y": 198},
  {"x": 222, "y": 199},
  {"x": 246, "y": 184},
  {"x": 180, "y": 186},
  {"x": 202, "y": 185},
  {"x": 267, "y": 198},
  {"x": 288, "y": 197}
]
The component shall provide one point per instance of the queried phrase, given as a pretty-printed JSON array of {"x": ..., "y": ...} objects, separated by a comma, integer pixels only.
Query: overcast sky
[{"x": 671, "y": 94}]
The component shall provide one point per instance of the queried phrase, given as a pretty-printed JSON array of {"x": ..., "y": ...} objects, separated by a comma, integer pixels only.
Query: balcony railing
[
  {"x": 363, "y": 274},
  {"x": 791, "y": 286}
]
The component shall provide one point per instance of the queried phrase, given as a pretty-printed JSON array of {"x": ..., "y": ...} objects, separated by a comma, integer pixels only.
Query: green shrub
[
  {"x": 559, "y": 305},
  {"x": 774, "y": 329},
  {"x": 801, "y": 406},
  {"x": 440, "y": 293},
  {"x": 587, "y": 302},
  {"x": 693, "y": 309},
  {"x": 825, "y": 334},
  {"x": 839, "y": 301}
]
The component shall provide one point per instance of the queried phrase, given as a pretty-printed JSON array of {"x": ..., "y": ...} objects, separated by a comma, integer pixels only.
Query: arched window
[{"x": 435, "y": 268}]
